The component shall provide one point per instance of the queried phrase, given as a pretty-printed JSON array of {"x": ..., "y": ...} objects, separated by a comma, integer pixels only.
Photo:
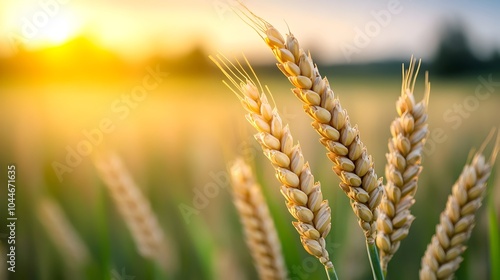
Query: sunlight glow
[{"x": 59, "y": 31}]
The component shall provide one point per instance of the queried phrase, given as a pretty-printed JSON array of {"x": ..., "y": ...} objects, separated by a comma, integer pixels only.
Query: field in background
[{"x": 176, "y": 141}]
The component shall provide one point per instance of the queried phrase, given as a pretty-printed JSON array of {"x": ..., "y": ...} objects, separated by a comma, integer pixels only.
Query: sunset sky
[{"x": 138, "y": 29}]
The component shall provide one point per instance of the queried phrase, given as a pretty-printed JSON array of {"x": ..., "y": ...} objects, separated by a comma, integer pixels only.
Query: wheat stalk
[
  {"x": 409, "y": 133},
  {"x": 62, "y": 233},
  {"x": 135, "y": 209},
  {"x": 261, "y": 236},
  {"x": 443, "y": 255},
  {"x": 351, "y": 161},
  {"x": 304, "y": 198}
]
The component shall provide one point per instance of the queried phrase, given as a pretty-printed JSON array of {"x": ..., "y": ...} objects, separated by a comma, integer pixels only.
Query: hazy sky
[{"x": 341, "y": 32}]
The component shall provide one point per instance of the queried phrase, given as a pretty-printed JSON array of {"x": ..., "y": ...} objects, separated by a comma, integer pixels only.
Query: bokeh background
[{"x": 67, "y": 66}]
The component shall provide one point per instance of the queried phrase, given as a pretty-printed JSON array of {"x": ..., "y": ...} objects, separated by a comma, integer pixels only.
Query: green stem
[
  {"x": 494, "y": 236},
  {"x": 330, "y": 272},
  {"x": 103, "y": 234},
  {"x": 374, "y": 261}
]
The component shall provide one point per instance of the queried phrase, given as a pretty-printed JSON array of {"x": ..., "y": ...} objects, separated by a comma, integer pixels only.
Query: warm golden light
[
  {"x": 57, "y": 34},
  {"x": 59, "y": 31}
]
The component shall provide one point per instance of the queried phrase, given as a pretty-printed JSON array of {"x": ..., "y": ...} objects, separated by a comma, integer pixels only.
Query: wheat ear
[
  {"x": 135, "y": 209},
  {"x": 351, "y": 161},
  {"x": 409, "y": 132},
  {"x": 261, "y": 236},
  {"x": 62, "y": 233},
  {"x": 443, "y": 255},
  {"x": 304, "y": 198}
]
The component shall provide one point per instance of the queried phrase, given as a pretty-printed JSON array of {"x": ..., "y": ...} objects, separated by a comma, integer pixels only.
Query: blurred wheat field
[{"x": 176, "y": 144}]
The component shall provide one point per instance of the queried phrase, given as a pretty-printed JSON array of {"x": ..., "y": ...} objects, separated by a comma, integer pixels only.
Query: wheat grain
[
  {"x": 443, "y": 255},
  {"x": 62, "y": 233},
  {"x": 351, "y": 161},
  {"x": 409, "y": 133},
  {"x": 261, "y": 236},
  {"x": 304, "y": 198},
  {"x": 135, "y": 209}
]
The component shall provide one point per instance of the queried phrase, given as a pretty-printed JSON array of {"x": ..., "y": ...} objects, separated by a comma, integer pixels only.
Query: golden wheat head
[
  {"x": 347, "y": 152},
  {"x": 261, "y": 236},
  {"x": 409, "y": 132},
  {"x": 135, "y": 209},
  {"x": 444, "y": 254},
  {"x": 304, "y": 198}
]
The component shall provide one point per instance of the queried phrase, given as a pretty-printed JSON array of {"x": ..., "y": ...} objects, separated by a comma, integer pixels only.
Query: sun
[
  {"x": 57, "y": 35},
  {"x": 60, "y": 29}
]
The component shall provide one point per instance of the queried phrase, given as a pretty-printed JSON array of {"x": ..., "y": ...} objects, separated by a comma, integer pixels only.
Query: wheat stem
[
  {"x": 373, "y": 257},
  {"x": 331, "y": 273},
  {"x": 494, "y": 238}
]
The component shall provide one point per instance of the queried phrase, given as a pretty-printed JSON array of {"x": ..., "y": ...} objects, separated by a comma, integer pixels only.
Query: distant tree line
[{"x": 454, "y": 54}]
